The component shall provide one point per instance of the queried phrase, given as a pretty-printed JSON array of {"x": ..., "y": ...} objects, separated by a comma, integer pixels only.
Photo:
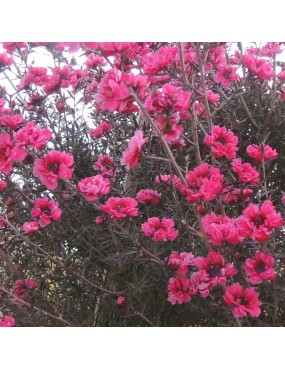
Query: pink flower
[
  {"x": 9, "y": 153},
  {"x": 3, "y": 185},
  {"x": 60, "y": 78},
  {"x": 213, "y": 269},
  {"x": 37, "y": 75},
  {"x": 161, "y": 231},
  {"x": 5, "y": 61},
  {"x": 226, "y": 76},
  {"x": 203, "y": 183},
  {"x": 222, "y": 142},
  {"x": 270, "y": 49},
  {"x": 101, "y": 129},
  {"x": 258, "y": 222},
  {"x": 33, "y": 135},
  {"x": 169, "y": 128},
  {"x": 260, "y": 268},
  {"x": 181, "y": 261},
  {"x": 258, "y": 152},
  {"x": 7, "y": 321},
  {"x": 54, "y": 166},
  {"x": 212, "y": 97},
  {"x": 170, "y": 98},
  {"x": 30, "y": 227},
  {"x": 10, "y": 47},
  {"x": 105, "y": 164},
  {"x": 217, "y": 57},
  {"x": 131, "y": 154},
  {"x": 93, "y": 187},
  {"x": 180, "y": 290},
  {"x": 121, "y": 300},
  {"x": 146, "y": 196},
  {"x": 245, "y": 301},
  {"x": 113, "y": 48},
  {"x": 22, "y": 289},
  {"x": 157, "y": 61},
  {"x": 12, "y": 121},
  {"x": 245, "y": 172},
  {"x": 46, "y": 211},
  {"x": 60, "y": 106},
  {"x": 168, "y": 180},
  {"x": 220, "y": 229},
  {"x": 259, "y": 67},
  {"x": 113, "y": 94},
  {"x": 119, "y": 208},
  {"x": 232, "y": 195},
  {"x": 99, "y": 220},
  {"x": 94, "y": 61}
]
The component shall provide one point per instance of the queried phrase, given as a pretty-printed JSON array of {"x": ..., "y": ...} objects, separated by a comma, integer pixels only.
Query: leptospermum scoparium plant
[{"x": 142, "y": 184}]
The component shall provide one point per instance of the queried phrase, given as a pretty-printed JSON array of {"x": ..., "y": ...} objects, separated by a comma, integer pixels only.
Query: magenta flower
[
  {"x": 170, "y": 98},
  {"x": 146, "y": 196},
  {"x": 113, "y": 94},
  {"x": 260, "y": 268},
  {"x": 93, "y": 187},
  {"x": 232, "y": 195},
  {"x": 258, "y": 153},
  {"x": 220, "y": 229},
  {"x": 181, "y": 261},
  {"x": 46, "y": 211},
  {"x": 9, "y": 153},
  {"x": 3, "y": 185},
  {"x": 226, "y": 76},
  {"x": 204, "y": 183},
  {"x": 5, "y": 61},
  {"x": 33, "y": 135},
  {"x": 222, "y": 142},
  {"x": 119, "y": 208},
  {"x": 12, "y": 121},
  {"x": 54, "y": 166},
  {"x": 30, "y": 227},
  {"x": 105, "y": 164},
  {"x": 101, "y": 129},
  {"x": 161, "y": 231},
  {"x": 121, "y": 300},
  {"x": 245, "y": 172},
  {"x": 22, "y": 289},
  {"x": 131, "y": 154},
  {"x": 156, "y": 62},
  {"x": 246, "y": 301},
  {"x": 258, "y": 222},
  {"x": 7, "y": 321},
  {"x": 180, "y": 290},
  {"x": 169, "y": 128},
  {"x": 214, "y": 270}
]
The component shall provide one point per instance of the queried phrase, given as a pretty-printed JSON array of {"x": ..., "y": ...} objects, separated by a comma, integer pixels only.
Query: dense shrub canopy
[{"x": 141, "y": 184}]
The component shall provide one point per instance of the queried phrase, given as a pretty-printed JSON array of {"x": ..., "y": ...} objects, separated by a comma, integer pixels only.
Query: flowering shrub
[{"x": 142, "y": 183}]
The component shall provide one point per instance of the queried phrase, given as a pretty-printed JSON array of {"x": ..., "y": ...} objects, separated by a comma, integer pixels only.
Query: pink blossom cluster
[
  {"x": 160, "y": 230},
  {"x": 148, "y": 196},
  {"x": 119, "y": 208},
  {"x": 259, "y": 67},
  {"x": 54, "y": 166},
  {"x": 221, "y": 229},
  {"x": 222, "y": 142},
  {"x": 260, "y": 153},
  {"x": 130, "y": 156},
  {"x": 105, "y": 164},
  {"x": 257, "y": 222},
  {"x": 101, "y": 129},
  {"x": 93, "y": 187},
  {"x": 203, "y": 183}
]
